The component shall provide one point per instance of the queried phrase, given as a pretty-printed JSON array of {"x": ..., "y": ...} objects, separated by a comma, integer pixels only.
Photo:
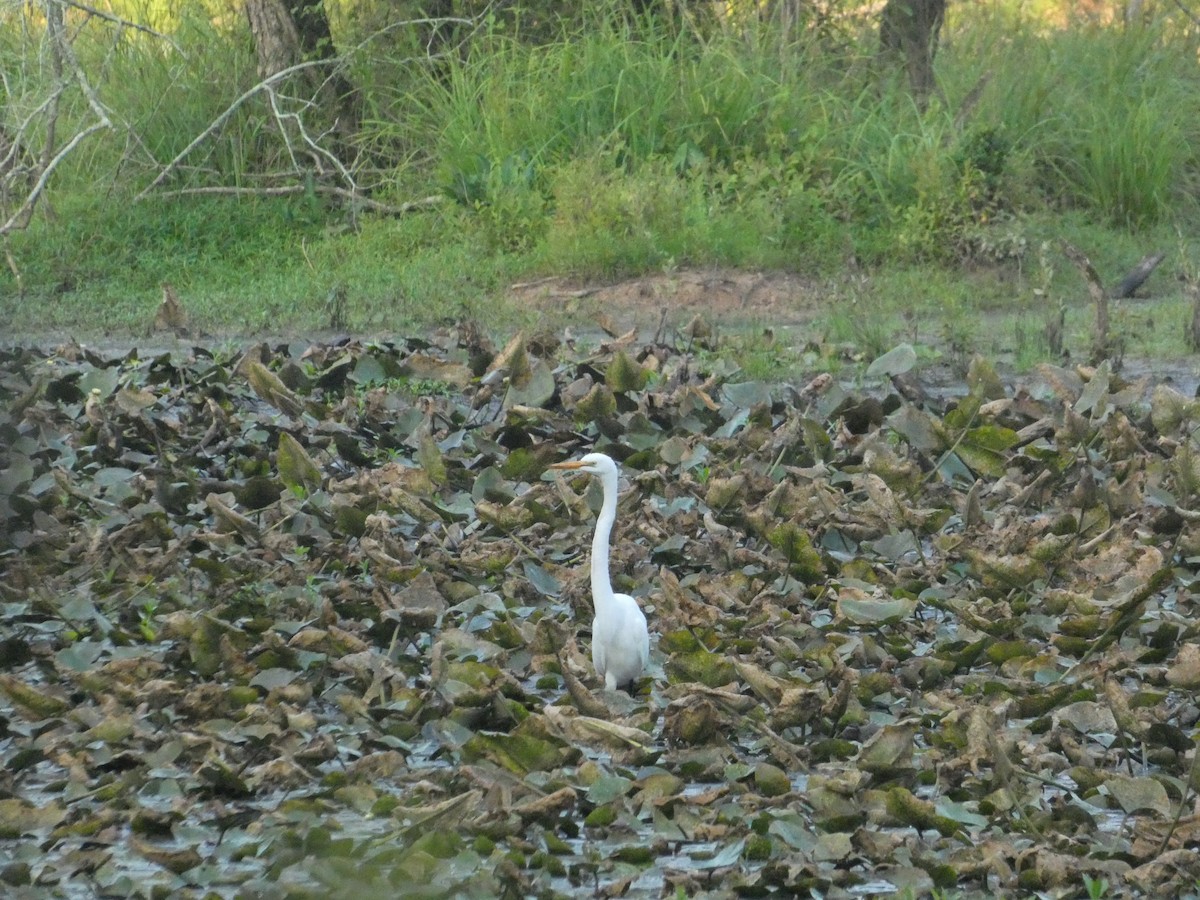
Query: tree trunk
[
  {"x": 909, "y": 30},
  {"x": 312, "y": 26},
  {"x": 287, "y": 32},
  {"x": 276, "y": 37}
]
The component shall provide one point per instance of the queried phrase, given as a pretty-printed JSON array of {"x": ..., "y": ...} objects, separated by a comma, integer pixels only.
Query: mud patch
[{"x": 724, "y": 294}]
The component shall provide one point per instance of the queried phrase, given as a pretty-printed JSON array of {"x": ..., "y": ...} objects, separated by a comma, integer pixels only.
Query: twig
[
  {"x": 123, "y": 22},
  {"x": 270, "y": 81},
  {"x": 281, "y": 190},
  {"x": 1187, "y": 786},
  {"x": 272, "y": 99},
  {"x": 316, "y": 148},
  {"x": 1187, "y": 12},
  {"x": 54, "y": 25},
  {"x": 216, "y": 124},
  {"x": 62, "y": 59},
  {"x": 40, "y": 186}
]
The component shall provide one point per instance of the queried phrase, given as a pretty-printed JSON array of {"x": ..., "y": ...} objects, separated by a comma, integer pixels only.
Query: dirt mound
[{"x": 723, "y": 293}]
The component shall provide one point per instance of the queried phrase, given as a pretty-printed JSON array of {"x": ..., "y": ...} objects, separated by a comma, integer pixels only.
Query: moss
[
  {"x": 601, "y": 817},
  {"x": 637, "y": 854},
  {"x": 758, "y": 848},
  {"x": 771, "y": 781},
  {"x": 710, "y": 669}
]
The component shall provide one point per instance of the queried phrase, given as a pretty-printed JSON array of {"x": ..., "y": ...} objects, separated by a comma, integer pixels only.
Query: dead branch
[
  {"x": 267, "y": 86},
  {"x": 393, "y": 209},
  {"x": 1087, "y": 270},
  {"x": 216, "y": 124},
  {"x": 65, "y": 64},
  {"x": 1100, "y": 341},
  {"x": 123, "y": 22},
  {"x": 313, "y": 144},
  {"x": 15, "y": 220},
  {"x": 1137, "y": 275},
  {"x": 1187, "y": 12},
  {"x": 65, "y": 54}
]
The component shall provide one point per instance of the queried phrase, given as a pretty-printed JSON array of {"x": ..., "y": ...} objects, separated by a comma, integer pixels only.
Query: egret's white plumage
[{"x": 620, "y": 640}]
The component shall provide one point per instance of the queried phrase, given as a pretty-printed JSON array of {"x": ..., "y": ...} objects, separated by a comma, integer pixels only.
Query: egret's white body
[{"x": 620, "y": 639}]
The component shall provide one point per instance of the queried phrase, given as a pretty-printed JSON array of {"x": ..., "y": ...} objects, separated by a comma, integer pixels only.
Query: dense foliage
[{"x": 599, "y": 143}]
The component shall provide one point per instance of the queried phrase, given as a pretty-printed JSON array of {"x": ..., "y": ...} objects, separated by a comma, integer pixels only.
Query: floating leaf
[
  {"x": 1184, "y": 672},
  {"x": 1169, "y": 409},
  {"x": 864, "y": 610},
  {"x": 1087, "y": 717},
  {"x": 268, "y": 386},
  {"x": 545, "y": 583},
  {"x": 513, "y": 361},
  {"x": 1139, "y": 795},
  {"x": 1095, "y": 390},
  {"x": 890, "y": 749},
  {"x": 794, "y": 543},
  {"x": 430, "y": 458},
  {"x": 624, "y": 374},
  {"x": 597, "y": 405},
  {"x": 296, "y": 468},
  {"x": 535, "y": 390},
  {"x": 20, "y": 817},
  {"x": 35, "y": 704},
  {"x": 897, "y": 361},
  {"x": 983, "y": 380}
]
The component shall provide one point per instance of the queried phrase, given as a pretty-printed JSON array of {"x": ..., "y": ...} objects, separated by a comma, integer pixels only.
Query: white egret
[{"x": 620, "y": 640}]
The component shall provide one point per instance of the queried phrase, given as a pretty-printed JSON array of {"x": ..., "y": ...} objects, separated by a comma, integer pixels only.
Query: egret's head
[{"x": 593, "y": 464}]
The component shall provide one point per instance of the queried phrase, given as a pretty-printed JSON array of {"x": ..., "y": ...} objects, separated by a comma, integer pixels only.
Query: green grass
[{"x": 613, "y": 148}]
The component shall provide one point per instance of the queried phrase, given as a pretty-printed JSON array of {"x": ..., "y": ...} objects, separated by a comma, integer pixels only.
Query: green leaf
[
  {"x": 273, "y": 678},
  {"x": 873, "y": 611},
  {"x": 1095, "y": 390},
  {"x": 896, "y": 361},
  {"x": 607, "y": 788},
  {"x": 543, "y": 582},
  {"x": 296, "y": 468},
  {"x": 430, "y": 458},
  {"x": 794, "y": 543},
  {"x": 534, "y": 391},
  {"x": 1139, "y": 794},
  {"x": 624, "y": 375}
]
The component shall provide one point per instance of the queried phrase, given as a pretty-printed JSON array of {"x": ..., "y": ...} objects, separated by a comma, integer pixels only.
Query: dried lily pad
[{"x": 312, "y": 614}]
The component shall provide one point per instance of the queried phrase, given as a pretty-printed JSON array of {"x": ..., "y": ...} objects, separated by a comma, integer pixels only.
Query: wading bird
[{"x": 620, "y": 641}]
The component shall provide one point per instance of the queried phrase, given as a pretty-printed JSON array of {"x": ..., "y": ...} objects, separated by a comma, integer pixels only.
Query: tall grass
[
  {"x": 613, "y": 145},
  {"x": 1103, "y": 120}
]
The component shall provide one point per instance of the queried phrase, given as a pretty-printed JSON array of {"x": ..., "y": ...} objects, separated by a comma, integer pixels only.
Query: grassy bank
[{"x": 616, "y": 149}]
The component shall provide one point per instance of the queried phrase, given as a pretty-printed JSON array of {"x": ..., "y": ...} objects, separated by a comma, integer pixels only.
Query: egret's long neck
[{"x": 601, "y": 585}]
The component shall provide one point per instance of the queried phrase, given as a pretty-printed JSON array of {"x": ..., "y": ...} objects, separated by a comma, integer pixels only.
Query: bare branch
[
  {"x": 316, "y": 148},
  {"x": 224, "y": 117},
  {"x": 18, "y": 139},
  {"x": 267, "y": 85},
  {"x": 62, "y": 58},
  {"x": 35, "y": 193},
  {"x": 122, "y": 22},
  {"x": 66, "y": 53},
  {"x": 285, "y": 190},
  {"x": 1187, "y": 12}
]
